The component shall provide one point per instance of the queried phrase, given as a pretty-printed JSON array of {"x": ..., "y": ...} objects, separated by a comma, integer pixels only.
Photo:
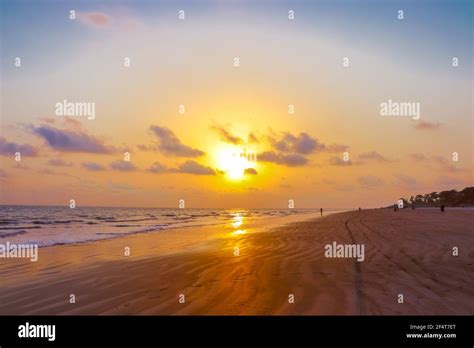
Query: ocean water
[{"x": 55, "y": 225}]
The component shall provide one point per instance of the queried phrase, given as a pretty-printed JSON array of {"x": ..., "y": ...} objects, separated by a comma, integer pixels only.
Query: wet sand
[{"x": 406, "y": 252}]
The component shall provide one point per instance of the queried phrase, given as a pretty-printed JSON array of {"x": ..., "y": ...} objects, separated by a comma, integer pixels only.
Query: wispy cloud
[
  {"x": 253, "y": 138},
  {"x": 92, "y": 166},
  {"x": 302, "y": 143},
  {"x": 58, "y": 162},
  {"x": 188, "y": 167},
  {"x": 123, "y": 166},
  {"x": 192, "y": 167},
  {"x": 424, "y": 125},
  {"x": 372, "y": 156},
  {"x": 226, "y": 135},
  {"x": 290, "y": 160}
]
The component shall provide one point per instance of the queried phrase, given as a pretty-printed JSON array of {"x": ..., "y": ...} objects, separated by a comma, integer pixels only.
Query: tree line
[{"x": 451, "y": 198}]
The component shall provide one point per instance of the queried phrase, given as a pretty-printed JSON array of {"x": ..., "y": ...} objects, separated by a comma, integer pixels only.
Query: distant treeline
[{"x": 452, "y": 198}]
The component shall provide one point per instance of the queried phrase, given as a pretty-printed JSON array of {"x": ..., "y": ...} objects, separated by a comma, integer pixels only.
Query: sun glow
[{"x": 234, "y": 162}]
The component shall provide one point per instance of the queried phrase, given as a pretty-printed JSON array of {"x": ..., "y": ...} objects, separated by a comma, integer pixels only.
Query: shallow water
[{"x": 54, "y": 225}]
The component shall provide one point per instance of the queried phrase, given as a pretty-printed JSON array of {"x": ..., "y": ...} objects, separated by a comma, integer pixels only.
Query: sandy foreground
[{"x": 406, "y": 252}]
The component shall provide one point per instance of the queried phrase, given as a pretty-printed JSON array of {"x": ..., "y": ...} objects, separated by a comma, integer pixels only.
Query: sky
[{"x": 182, "y": 121}]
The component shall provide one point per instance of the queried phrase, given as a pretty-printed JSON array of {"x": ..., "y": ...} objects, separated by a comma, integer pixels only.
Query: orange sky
[{"x": 228, "y": 109}]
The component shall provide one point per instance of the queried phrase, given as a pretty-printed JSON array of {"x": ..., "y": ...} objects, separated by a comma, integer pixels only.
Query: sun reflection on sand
[
  {"x": 237, "y": 221},
  {"x": 239, "y": 232}
]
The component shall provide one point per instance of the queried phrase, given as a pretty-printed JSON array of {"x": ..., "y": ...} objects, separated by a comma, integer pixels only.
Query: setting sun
[{"x": 234, "y": 161}]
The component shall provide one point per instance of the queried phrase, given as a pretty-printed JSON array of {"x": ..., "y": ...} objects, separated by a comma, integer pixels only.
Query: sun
[{"x": 233, "y": 161}]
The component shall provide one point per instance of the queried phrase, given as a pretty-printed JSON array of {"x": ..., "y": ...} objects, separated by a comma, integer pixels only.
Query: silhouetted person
[
  {"x": 413, "y": 206},
  {"x": 442, "y": 208},
  {"x": 360, "y": 209},
  {"x": 321, "y": 211}
]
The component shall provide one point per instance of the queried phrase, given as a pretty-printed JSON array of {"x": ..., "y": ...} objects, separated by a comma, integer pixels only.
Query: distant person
[
  {"x": 413, "y": 206},
  {"x": 321, "y": 211},
  {"x": 442, "y": 208},
  {"x": 395, "y": 207},
  {"x": 360, "y": 209}
]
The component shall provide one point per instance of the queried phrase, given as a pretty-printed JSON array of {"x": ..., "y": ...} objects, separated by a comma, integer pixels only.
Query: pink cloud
[
  {"x": 97, "y": 19},
  {"x": 423, "y": 125}
]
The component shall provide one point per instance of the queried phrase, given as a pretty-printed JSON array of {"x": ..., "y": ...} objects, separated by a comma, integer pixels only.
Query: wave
[
  {"x": 46, "y": 226},
  {"x": 11, "y": 234}
]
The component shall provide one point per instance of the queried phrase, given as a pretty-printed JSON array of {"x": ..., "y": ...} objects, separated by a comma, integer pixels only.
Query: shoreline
[{"x": 161, "y": 224}]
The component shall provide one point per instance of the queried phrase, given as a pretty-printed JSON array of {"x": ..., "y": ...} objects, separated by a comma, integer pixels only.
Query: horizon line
[{"x": 148, "y": 207}]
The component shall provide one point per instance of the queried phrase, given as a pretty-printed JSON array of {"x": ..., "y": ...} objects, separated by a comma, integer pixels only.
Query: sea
[{"x": 57, "y": 225}]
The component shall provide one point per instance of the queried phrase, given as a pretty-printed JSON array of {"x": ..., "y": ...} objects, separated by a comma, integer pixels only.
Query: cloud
[
  {"x": 369, "y": 181},
  {"x": 66, "y": 121},
  {"x": 424, "y": 125},
  {"x": 95, "y": 167},
  {"x": 48, "y": 171},
  {"x": 95, "y": 19},
  {"x": 291, "y": 160},
  {"x": 337, "y": 161},
  {"x": 58, "y": 162},
  {"x": 123, "y": 166},
  {"x": 373, "y": 155},
  {"x": 171, "y": 145},
  {"x": 157, "y": 168},
  {"x": 146, "y": 147},
  {"x": 70, "y": 141},
  {"x": 252, "y": 138},
  {"x": 227, "y": 136},
  {"x": 300, "y": 144},
  {"x": 251, "y": 171},
  {"x": 188, "y": 167},
  {"x": 10, "y": 148},
  {"x": 192, "y": 167}
]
